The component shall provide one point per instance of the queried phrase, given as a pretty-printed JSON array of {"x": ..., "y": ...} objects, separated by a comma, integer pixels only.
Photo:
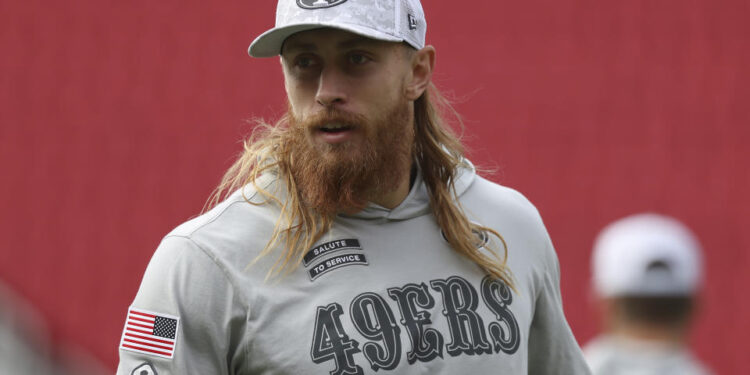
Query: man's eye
[
  {"x": 358, "y": 58},
  {"x": 304, "y": 62}
]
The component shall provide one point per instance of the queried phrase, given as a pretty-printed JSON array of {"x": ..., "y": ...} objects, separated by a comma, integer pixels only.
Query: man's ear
[{"x": 422, "y": 64}]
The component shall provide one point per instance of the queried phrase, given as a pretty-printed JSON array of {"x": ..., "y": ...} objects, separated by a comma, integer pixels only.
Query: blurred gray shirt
[{"x": 608, "y": 355}]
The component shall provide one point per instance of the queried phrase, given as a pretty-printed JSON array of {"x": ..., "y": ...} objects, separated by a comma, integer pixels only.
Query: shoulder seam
[
  {"x": 215, "y": 261},
  {"x": 216, "y": 217},
  {"x": 189, "y": 235}
]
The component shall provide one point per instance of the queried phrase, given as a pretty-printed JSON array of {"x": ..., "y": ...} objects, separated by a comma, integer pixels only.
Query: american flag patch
[{"x": 150, "y": 333}]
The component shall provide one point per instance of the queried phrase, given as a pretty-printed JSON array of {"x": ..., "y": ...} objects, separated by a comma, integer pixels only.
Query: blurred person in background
[
  {"x": 26, "y": 347},
  {"x": 647, "y": 270}
]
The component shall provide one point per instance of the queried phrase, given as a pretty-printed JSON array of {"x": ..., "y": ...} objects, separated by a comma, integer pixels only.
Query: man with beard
[{"x": 352, "y": 237}]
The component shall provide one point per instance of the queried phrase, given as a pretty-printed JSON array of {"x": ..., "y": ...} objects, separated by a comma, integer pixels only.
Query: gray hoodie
[{"x": 382, "y": 293}]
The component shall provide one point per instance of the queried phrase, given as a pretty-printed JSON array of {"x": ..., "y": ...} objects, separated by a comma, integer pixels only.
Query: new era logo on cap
[
  {"x": 412, "y": 22},
  {"x": 315, "y": 4}
]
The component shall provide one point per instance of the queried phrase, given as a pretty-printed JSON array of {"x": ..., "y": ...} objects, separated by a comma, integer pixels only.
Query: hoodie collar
[{"x": 417, "y": 202}]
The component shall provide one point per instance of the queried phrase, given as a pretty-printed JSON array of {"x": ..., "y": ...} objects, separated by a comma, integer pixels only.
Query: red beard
[{"x": 343, "y": 177}]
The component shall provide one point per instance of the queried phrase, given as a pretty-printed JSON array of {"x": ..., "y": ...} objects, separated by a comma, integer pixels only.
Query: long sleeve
[
  {"x": 552, "y": 347},
  {"x": 195, "y": 312}
]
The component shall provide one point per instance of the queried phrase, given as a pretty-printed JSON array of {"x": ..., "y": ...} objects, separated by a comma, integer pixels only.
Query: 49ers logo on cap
[{"x": 315, "y": 4}]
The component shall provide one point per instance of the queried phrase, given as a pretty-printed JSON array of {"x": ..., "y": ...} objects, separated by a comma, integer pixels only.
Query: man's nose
[{"x": 332, "y": 87}]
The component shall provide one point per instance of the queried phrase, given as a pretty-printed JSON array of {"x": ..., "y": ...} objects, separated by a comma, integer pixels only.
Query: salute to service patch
[{"x": 150, "y": 333}]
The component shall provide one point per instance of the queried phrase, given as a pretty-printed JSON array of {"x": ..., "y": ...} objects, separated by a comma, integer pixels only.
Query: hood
[{"x": 417, "y": 202}]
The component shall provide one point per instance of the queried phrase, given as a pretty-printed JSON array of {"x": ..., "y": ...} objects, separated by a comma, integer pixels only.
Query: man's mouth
[
  {"x": 335, "y": 128},
  {"x": 335, "y": 132}
]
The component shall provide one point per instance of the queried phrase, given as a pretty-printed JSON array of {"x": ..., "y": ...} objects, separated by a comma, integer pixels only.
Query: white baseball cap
[
  {"x": 646, "y": 255},
  {"x": 387, "y": 20}
]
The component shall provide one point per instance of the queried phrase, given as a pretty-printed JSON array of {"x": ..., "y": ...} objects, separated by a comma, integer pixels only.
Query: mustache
[{"x": 328, "y": 116}]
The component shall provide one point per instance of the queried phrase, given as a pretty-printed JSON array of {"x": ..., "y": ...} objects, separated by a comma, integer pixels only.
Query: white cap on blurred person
[
  {"x": 646, "y": 255},
  {"x": 387, "y": 20}
]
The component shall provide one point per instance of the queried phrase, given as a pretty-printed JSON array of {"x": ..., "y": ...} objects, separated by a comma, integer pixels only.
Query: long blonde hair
[{"x": 439, "y": 153}]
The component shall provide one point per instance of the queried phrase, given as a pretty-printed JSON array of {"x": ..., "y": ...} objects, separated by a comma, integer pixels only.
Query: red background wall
[{"x": 118, "y": 118}]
